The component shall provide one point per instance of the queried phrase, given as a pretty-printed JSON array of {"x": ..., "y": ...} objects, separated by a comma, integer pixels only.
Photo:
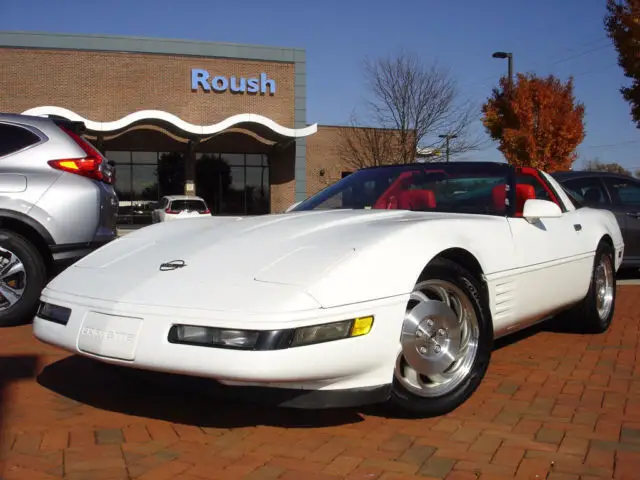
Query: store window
[
  {"x": 231, "y": 184},
  {"x": 136, "y": 185}
]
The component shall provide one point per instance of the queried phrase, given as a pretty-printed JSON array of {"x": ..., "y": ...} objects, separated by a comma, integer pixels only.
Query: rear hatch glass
[{"x": 188, "y": 205}]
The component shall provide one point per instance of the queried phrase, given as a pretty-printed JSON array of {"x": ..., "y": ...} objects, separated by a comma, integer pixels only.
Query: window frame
[
  {"x": 607, "y": 194},
  {"x": 613, "y": 193},
  {"x": 547, "y": 187}
]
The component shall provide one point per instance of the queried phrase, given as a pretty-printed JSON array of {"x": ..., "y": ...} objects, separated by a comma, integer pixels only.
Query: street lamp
[
  {"x": 509, "y": 57},
  {"x": 447, "y": 138}
]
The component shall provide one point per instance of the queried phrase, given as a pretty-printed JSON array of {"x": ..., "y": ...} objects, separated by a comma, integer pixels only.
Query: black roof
[{"x": 587, "y": 173}]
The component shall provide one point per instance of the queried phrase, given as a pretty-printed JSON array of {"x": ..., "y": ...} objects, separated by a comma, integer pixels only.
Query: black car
[{"x": 611, "y": 191}]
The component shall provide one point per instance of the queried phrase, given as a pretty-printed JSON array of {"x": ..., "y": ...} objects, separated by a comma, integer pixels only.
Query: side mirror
[
  {"x": 292, "y": 207},
  {"x": 535, "y": 208}
]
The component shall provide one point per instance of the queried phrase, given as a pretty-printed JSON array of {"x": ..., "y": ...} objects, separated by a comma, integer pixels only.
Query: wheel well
[
  {"x": 606, "y": 239},
  {"x": 463, "y": 258},
  {"x": 469, "y": 262},
  {"x": 30, "y": 234}
]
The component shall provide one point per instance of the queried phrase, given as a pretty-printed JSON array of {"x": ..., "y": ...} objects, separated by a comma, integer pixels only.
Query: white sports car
[{"x": 388, "y": 286}]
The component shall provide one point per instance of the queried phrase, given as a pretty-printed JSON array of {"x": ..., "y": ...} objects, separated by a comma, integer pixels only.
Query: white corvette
[{"x": 388, "y": 286}]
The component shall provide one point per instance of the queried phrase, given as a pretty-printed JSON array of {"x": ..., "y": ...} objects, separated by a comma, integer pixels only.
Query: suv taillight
[
  {"x": 88, "y": 167},
  {"x": 93, "y": 165},
  {"x": 168, "y": 210}
]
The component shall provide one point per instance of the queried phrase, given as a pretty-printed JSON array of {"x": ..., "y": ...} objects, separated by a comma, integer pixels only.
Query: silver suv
[{"x": 57, "y": 204}]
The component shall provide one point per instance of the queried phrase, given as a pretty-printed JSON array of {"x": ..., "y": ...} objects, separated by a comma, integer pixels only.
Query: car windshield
[
  {"x": 190, "y": 205},
  {"x": 469, "y": 187}
]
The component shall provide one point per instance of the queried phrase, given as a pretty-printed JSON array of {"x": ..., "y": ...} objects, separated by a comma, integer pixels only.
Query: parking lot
[{"x": 554, "y": 405}]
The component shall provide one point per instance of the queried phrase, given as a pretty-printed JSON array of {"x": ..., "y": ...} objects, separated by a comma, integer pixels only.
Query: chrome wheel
[
  {"x": 439, "y": 339},
  {"x": 13, "y": 279},
  {"x": 604, "y": 286}
]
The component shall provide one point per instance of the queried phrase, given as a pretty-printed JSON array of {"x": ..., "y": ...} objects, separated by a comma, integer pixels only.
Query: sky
[{"x": 563, "y": 37}]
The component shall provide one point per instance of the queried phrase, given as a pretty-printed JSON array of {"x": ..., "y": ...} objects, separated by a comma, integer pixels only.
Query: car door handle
[
  {"x": 633, "y": 214},
  {"x": 577, "y": 227}
]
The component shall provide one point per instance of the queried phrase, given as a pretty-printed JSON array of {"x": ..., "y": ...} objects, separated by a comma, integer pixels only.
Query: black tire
[
  {"x": 584, "y": 317},
  {"x": 404, "y": 401},
  {"x": 36, "y": 274}
]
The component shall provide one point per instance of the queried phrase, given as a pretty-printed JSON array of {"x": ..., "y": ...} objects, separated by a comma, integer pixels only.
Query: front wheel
[{"x": 446, "y": 342}]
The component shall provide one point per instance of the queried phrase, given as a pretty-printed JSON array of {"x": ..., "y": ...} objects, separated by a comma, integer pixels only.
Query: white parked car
[
  {"x": 384, "y": 287},
  {"x": 176, "y": 207}
]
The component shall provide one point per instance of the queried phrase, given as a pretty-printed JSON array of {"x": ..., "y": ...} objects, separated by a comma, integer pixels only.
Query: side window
[
  {"x": 14, "y": 138},
  {"x": 626, "y": 192},
  {"x": 590, "y": 189}
]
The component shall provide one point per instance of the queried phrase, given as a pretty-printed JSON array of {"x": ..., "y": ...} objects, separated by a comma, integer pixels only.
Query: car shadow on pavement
[
  {"x": 175, "y": 398},
  {"x": 557, "y": 325},
  {"x": 13, "y": 368}
]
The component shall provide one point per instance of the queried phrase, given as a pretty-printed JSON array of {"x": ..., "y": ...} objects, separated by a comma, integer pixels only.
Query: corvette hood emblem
[{"x": 172, "y": 265}]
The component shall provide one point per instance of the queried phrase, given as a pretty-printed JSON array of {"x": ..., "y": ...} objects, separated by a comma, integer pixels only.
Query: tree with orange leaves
[
  {"x": 622, "y": 24},
  {"x": 536, "y": 121}
]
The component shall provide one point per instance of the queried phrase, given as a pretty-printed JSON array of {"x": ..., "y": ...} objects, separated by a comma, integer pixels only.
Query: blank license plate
[{"x": 109, "y": 335}]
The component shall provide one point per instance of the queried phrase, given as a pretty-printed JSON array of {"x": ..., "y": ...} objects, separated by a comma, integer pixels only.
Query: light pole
[
  {"x": 509, "y": 57},
  {"x": 447, "y": 138}
]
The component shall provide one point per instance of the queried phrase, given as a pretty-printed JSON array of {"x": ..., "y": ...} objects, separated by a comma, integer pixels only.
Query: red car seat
[{"x": 417, "y": 200}]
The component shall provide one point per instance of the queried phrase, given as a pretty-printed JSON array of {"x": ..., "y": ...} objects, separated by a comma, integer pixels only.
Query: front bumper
[{"x": 333, "y": 373}]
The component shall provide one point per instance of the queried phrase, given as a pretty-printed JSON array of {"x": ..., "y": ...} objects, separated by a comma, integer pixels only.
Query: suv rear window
[
  {"x": 191, "y": 205},
  {"x": 14, "y": 138}
]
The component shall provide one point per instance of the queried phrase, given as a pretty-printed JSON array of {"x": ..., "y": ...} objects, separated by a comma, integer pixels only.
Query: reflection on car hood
[{"x": 261, "y": 263}]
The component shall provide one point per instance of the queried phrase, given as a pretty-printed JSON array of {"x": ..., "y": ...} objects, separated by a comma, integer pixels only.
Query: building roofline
[
  {"x": 134, "y": 44},
  {"x": 356, "y": 127}
]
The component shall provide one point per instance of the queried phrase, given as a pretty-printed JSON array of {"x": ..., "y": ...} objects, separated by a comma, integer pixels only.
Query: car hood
[{"x": 266, "y": 263}]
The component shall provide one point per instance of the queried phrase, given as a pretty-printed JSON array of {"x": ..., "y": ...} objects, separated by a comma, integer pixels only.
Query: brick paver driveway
[{"x": 554, "y": 405}]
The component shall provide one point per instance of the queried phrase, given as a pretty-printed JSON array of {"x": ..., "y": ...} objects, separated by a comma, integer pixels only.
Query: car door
[
  {"x": 625, "y": 198},
  {"x": 552, "y": 259}
]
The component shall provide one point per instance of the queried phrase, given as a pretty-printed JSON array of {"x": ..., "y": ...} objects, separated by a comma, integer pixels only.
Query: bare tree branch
[
  {"x": 596, "y": 165},
  {"x": 419, "y": 102},
  {"x": 366, "y": 146}
]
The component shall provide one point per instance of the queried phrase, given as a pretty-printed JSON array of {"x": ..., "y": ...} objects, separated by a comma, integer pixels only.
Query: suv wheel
[{"x": 22, "y": 277}]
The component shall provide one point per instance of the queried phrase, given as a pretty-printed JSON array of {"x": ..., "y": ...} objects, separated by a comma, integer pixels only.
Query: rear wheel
[
  {"x": 22, "y": 277},
  {"x": 446, "y": 342},
  {"x": 595, "y": 312}
]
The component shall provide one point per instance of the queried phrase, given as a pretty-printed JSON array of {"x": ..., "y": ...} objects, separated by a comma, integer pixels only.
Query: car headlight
[
  {"x": 332, "y": 331},
  {"x": 269, "y": 339},
  {"x": 216, "y": 337}
]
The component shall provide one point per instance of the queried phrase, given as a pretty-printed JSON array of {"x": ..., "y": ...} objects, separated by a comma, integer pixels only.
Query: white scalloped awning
[{"x": 174, "y": 120}]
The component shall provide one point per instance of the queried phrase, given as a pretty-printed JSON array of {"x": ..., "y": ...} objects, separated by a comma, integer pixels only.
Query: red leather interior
[
  {"x": 388, "y": 198},
  {"x": 417, "y": 200},
  {"x": 523, "y": 193}
]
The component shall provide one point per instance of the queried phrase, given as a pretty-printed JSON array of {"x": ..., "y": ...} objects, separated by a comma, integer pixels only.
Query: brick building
[{"x": 223, "y": 121}]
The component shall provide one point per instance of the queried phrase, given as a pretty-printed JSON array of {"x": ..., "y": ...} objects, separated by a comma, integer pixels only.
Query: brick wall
[
  {"x": 105, "y": 86},
  {"x": 327, "y": 156}
]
